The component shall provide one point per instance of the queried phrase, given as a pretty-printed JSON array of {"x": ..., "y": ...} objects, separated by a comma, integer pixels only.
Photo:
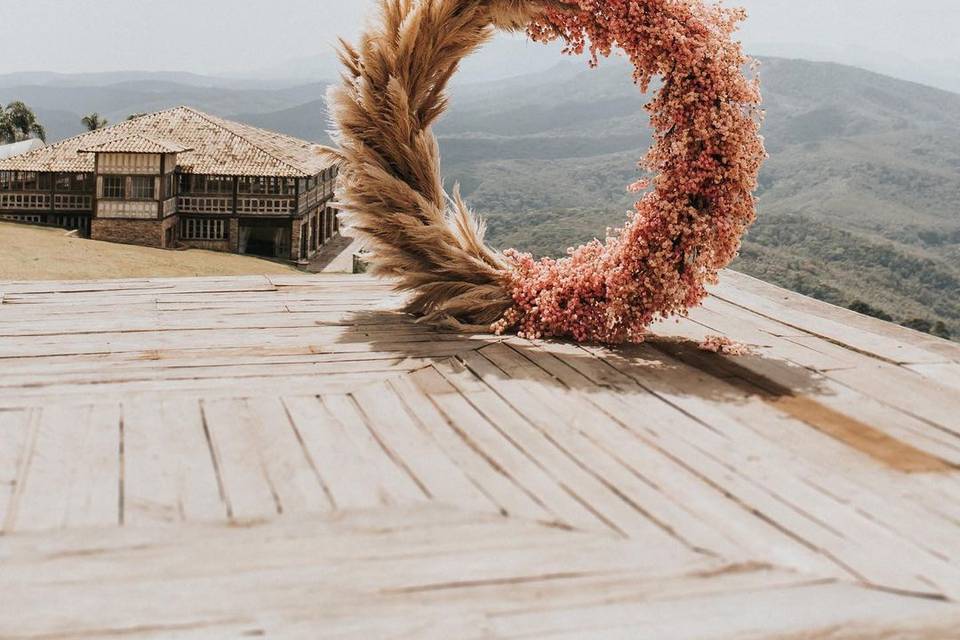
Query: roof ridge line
[
  {"x": 104, "y": 129},
  {"x": 211, "y": 120}
]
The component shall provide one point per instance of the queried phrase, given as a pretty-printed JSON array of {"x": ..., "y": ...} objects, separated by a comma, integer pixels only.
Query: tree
[
  {"x": 940, "y": 329},
  {"x": 93, "y": 122},
  {"x": 18, "y": 122},
  {"x": 919, "y": 324},
  {"x": 869, "y": 310}
]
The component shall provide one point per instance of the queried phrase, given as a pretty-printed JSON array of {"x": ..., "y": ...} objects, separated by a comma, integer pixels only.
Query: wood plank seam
[
  {"x": 23, "y": 470},
  {"x": 722, "y": 490},
  {"x": 308, "y": 455},
  {"x": 397, "y": 460},
  {"x": 471, "y": 444},
  {"x": 215, "y": 459},
  {"x": 827, "y": 338}
]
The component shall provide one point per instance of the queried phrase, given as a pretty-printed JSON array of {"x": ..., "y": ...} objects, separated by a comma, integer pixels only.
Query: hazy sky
[{"x": 210, "y": 36}]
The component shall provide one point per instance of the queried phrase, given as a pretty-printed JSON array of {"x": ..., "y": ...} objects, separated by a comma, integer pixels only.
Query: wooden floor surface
[{"x": 290, "y": 457}]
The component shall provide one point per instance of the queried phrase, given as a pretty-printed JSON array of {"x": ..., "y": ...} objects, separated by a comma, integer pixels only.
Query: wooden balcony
[
  {"x": 72, "y": 202},
  {"x": 25, "y": 201},
  {"x": 41, "y": 201},
  {"x": 246, "y": 205},
  {"x": 266, "y": 205},
  {"x": 205, "y": 204},
  {"x": 312, "y": 198}
]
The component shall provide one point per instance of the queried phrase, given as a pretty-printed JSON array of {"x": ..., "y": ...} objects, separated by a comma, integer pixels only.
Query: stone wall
[
  {"x": 295, "y": 234},
  {"x": 234, "y": 235},
  {"x": 170, "y": 223},
  {"x": 146, "y": 233}
]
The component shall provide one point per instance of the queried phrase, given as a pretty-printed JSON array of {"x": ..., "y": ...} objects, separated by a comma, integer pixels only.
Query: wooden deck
[{"x": 288, "y": 457}]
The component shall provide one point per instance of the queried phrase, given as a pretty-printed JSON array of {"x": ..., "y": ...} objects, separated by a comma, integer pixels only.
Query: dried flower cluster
[
  {"x": 706, "y": 155},
  {"x": 726, "y": 346}
]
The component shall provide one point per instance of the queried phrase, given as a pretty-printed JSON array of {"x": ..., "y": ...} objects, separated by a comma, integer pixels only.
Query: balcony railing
[
  {"x": 25, "y": 201},
  {"x": 70, "y": 202},
  {"x": 246, "y": 205},
  {"x": 266, "y": 205},
  {"x": 40, "y": 201},
  {"x": 313, "y": 197},
  {"x": 204, "y": 204}
]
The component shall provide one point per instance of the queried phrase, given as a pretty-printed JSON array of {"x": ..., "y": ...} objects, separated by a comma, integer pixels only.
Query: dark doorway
[{"x": 267, "y": 240}]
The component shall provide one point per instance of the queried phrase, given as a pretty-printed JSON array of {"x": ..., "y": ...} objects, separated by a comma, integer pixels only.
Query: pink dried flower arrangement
[
  {"x": 706, "y": 155},
  {"x": 726, "y": 346},
  {"x": 685, "y": 227}
]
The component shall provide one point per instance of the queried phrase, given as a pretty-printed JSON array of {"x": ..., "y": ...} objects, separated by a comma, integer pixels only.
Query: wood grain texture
[{"x": 289, "y": 457}]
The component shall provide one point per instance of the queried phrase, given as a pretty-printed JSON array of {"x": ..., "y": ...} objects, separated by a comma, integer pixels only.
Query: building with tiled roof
[
  {"x": 135, "y": 143},
  {"x": 179, "y": 177}
]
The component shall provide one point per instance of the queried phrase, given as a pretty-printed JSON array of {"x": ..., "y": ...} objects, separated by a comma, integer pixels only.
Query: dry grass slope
[{"x": 34, "y": 253}]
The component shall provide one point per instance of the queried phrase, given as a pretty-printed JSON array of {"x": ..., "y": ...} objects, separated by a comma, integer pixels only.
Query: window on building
[
  {"x": 203, "y": 229},
  {"x": 220, "y": 184},
  {"x": 113, "y": 187},
  {"x": 81, "y": 182},
  {"x": 63, "y": 183},
  {"x": 258, "y": 186},
  {"x": 169, "y": 186},
  {"x": 142, "y": 188}
]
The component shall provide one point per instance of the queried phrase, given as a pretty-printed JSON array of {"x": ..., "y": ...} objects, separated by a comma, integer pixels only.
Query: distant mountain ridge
[
  {"x": 60, "y": 108},
  {"x": 308, "y": 121},
  {"x": 858, "y": 202}
]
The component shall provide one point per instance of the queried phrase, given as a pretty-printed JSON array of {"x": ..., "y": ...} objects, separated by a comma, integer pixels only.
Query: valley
[{"x": 859, "y": 203}]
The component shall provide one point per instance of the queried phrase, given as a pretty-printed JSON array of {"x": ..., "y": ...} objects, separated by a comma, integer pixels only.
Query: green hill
[{"x": 859, "y": 202}]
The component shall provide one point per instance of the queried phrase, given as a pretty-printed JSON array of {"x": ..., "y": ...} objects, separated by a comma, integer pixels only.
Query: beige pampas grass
[{"x": 392, "y": 92}]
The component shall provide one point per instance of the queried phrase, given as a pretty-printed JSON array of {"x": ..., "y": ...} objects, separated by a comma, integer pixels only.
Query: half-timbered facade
[{"x": 179, "y": 178}]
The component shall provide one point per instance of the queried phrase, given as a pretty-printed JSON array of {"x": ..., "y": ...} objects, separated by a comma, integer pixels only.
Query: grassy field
[{"x": 35, "y": 253}]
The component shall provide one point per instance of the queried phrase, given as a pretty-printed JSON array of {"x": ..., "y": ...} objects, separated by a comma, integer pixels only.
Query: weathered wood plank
[
  {"x": 16, "y": 429},
  {"x": 356, "y": 469},
  {"x": 354, "y": 575},
  {"x": 169, "y": 474},
  {"x": 295, "y": 482},
  {"x": 597, "y": 480},
  {"x": 71, "y": 476},
  {"x": 413, "y": 449},
  {"x": 419, "y": 392},
  {"x": 943, "y": 375},
  {"x": 790, "y": 611},
  {"x": 701, "y": 483},
  {"x": 242, "y": 470},
  {"x": 829, "y": 322},
  {"x": 769, "y": 483},
  {"x": 433, "y": 573},
  {"x": 793, "y": 301},
  {"x": 273, "y": 401}
]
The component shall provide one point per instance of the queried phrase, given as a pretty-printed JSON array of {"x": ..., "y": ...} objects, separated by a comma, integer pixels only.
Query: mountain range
[{"x": 858, "y": 201}]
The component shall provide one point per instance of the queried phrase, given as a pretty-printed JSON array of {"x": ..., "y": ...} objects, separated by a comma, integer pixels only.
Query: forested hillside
[{"x": 859, "y": 202}]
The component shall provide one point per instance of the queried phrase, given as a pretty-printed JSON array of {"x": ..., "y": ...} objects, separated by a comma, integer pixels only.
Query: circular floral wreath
[{"x": 705, "y": 158}]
